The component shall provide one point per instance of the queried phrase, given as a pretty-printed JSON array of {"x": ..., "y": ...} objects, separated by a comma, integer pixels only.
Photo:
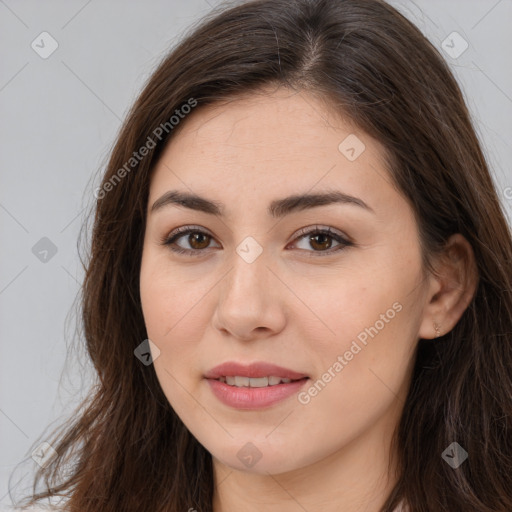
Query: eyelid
[
  {"x": 333, "y": 233},
  {"x": 177, "y": 233},
  {"x": 323, "y": 229},
  {"x": 343, "y": 240}
]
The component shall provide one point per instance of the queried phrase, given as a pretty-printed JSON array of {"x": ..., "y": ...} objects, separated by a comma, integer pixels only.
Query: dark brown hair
[{"x": 125, "y": 449}]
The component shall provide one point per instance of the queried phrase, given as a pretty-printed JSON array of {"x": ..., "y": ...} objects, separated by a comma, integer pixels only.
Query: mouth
[
  {"x": 240, "y": 381},
  {"x": 254, "y": 386},
  {"x": 255, "y": 372}
]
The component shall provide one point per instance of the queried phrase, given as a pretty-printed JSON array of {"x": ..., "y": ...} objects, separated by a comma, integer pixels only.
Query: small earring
[{"x": 438, "y": 331}]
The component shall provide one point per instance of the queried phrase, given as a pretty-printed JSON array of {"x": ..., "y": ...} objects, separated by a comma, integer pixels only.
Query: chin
[{"x": 260, "y": 458}]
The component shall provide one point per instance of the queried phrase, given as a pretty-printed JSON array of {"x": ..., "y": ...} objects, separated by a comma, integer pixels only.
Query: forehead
[
  {"x": 269, "y": 142},
  {"x": 286, "y": 124}
]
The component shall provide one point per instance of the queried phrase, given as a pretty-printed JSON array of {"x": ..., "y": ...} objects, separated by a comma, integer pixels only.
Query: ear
[{"x": 451, "y": 290}]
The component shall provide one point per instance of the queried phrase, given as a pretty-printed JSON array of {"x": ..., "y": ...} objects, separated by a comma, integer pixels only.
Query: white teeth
[
  {"x": 241, "y": 381},
  {"x": 274, "y": 380},
  {"x": 259, "y": 382}
]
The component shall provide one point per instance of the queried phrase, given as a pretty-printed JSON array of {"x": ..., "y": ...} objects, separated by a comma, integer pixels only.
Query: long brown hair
[{"x": 125, "y": 449}]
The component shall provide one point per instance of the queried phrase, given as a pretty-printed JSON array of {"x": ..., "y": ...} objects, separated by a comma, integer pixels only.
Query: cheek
[
  {"x": 370, "y": 319},
  {"x": 174, "y": 307},
  {"x": 168, "y": 312},
  {"x": 171, "y": 299},
  {"x": 348, "y": 304},
  {"x": 360, "y": 370}
]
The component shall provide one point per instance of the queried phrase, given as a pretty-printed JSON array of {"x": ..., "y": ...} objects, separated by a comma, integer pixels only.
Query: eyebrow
[{"x": 277, "y": 208}]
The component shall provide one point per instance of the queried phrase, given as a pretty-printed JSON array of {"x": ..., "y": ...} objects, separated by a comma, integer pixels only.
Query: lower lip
[{"x": 254, "y": 398}]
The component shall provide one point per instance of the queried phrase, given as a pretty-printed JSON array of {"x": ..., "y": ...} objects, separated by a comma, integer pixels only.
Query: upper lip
[{"x": 252, "y": 370}]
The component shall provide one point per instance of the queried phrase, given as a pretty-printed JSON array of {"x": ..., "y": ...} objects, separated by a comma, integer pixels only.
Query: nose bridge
[{"x": 249, "y": 272}]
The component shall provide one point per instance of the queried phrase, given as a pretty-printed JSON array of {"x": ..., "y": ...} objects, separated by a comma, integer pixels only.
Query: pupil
[
  {"x": 195, "y": 237},
  {"x": 312, "y": 239}
]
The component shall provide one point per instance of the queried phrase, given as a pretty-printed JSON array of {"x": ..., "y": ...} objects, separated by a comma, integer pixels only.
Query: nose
[{"x": 250, "y": 300}]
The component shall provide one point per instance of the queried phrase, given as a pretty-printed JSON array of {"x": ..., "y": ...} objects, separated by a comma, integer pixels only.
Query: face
[{"x": 330, "y": 290}]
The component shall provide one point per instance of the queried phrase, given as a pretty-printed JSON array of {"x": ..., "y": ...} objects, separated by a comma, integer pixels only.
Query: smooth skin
[{"x": 300, "y": 304}]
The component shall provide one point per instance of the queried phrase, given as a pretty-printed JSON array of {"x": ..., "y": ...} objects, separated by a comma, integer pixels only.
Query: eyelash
[{"x": 170, "y": 239}]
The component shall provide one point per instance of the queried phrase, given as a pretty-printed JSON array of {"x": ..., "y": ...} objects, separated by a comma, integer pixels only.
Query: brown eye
[
  {"x": 321, "y": 239},
  {"x": 325, "y": 243},
  {"x": 197, "y": 240}
]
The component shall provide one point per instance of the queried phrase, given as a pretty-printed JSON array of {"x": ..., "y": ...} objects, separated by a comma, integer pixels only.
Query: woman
[{"x": 298, "y": 294}]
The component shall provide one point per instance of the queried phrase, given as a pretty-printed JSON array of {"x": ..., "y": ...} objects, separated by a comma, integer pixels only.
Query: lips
[
  {"x": 253, "y": 386},
  {"x": 253, "y": 370}
]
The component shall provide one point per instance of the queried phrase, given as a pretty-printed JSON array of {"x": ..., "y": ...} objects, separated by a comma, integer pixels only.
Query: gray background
[{"x": 59, "y": 118}]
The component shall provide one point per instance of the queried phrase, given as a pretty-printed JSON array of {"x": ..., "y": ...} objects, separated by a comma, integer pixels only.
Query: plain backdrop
[{"x": 59, "y": 117}]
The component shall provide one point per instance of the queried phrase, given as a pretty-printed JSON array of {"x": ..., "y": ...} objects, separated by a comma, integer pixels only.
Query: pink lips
[
  {"x": 255, "y": 370},
  {"x": 253, "y": 398}
]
